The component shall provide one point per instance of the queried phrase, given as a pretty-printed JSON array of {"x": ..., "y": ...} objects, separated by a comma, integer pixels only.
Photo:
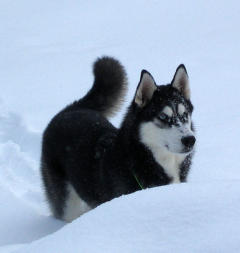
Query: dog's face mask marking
[
  {"x": 181, "y": 109},
  {"x": 174, "y": 132},
  {"x": 167, "y": 114}
]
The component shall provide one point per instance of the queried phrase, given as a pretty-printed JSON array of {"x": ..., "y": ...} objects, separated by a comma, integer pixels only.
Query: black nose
[{"x": 188, "y": 141}]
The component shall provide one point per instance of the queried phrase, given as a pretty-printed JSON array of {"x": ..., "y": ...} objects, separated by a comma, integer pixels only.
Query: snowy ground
[{"x": 46, "y": 52}]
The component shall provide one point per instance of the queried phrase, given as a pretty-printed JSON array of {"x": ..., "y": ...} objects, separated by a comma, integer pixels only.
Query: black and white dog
[{"x": 87, "y": 161}]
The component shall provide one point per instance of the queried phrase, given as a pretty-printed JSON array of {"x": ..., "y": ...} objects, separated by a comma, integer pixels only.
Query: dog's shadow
[{"x": 21, "y": 224}]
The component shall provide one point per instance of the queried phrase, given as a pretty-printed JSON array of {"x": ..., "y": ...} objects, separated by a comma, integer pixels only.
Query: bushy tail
[{"x": 109, "y": 87}]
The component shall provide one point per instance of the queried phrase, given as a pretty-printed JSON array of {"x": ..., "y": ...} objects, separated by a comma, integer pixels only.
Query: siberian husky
[{"x": 87, "y": 161}]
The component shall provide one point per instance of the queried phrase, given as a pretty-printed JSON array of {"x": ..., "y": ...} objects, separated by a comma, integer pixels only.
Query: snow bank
[
  {"x": 13, "y": 128},
  {"x": 21, "y": 197},
  {"x": 176, "y": 218},
  {"x": 19, "y": 156}
]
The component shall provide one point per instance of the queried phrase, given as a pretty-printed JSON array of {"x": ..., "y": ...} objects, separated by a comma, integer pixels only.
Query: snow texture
[{"x": 46, "y": 52}]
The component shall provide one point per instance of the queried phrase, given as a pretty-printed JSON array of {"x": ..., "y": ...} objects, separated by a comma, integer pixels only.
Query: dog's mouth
[{"x": 185, "y": 151}]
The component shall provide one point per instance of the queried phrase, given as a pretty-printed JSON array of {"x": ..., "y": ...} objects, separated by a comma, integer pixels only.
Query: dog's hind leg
[
  {"x": 63, "y": 200},
  {"x": 55, "y": 186},
  {"x": 74, "y": 205}
]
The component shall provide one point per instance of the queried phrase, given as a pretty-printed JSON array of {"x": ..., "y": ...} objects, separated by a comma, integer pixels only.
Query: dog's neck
[
  {"x": 170, "y": 163},
  {"x": 128, "y": 137}
]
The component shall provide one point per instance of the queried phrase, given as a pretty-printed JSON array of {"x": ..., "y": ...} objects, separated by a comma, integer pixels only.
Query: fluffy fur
[{"x": 87, "y": 161}]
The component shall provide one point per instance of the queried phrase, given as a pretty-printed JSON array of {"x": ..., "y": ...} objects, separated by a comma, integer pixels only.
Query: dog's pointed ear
[
  {"x": 145, "y": 89},
  {"x": 181, "y": 82}
]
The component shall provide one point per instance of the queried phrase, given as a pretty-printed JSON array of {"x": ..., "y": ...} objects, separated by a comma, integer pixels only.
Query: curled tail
[{"x": 109, "y": 87}]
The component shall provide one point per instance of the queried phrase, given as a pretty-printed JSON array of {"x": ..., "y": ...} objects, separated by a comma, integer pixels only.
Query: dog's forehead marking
[
  {"x": 168, "y": 111},
  {"x": 181, "y": 109}
]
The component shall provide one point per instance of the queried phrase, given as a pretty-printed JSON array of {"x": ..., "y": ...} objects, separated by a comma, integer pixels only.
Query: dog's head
[{"x": 165, "y": 113}]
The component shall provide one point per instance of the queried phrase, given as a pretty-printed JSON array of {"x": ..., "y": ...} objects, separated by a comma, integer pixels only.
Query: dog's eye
[
  {"x": 184, "y": 117},
  {"x": 162, "y": 116}
]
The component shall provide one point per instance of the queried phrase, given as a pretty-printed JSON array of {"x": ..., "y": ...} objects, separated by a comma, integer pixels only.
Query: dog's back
[{"x": 76, "y": 137}]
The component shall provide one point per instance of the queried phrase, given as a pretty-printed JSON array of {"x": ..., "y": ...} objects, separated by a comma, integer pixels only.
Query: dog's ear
[
  {"x": 181, "y": 82},
  {"x": 145, "y": 89}
]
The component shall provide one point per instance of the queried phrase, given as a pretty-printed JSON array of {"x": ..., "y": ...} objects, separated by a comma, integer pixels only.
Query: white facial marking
[
  {"x": 168, "y": 111},
  {"x": 181, "y": 109},
  {"x": 155, "y": 139},
  {"x": 74, "y": 206}
]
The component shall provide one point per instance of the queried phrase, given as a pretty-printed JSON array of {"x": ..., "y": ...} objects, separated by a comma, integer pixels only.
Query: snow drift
[{"x": 176, "y": 218}]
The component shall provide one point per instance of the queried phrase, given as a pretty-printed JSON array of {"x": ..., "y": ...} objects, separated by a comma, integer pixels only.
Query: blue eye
[
  {"x": 162, "y": 116},
  {"x": 185, "y": 117}
]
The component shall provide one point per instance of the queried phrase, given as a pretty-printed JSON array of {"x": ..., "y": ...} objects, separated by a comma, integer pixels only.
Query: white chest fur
[{"x": 170, "y": 162}]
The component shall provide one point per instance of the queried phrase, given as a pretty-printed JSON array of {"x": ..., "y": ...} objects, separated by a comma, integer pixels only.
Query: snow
[
  {"x": 190, "y": 221},
  {"x": 22, "y": 224},
  {"x": 46, "y": 52}
]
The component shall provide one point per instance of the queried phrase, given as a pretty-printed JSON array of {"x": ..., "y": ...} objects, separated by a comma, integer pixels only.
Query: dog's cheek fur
[
  {"x": 151, "y": 137},
  {"x": 164, "y": 138}
]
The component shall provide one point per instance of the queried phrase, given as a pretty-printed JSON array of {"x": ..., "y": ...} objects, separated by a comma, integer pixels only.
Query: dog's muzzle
[{"x": 188, "y": 142}]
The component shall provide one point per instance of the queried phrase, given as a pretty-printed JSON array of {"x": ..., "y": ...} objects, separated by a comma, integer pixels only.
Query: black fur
[{"x": 102, "y": 162}]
